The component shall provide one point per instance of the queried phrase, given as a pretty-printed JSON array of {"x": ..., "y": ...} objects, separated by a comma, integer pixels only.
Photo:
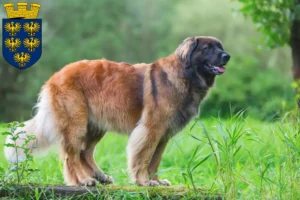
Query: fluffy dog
[{"x": 150, "y": 102}]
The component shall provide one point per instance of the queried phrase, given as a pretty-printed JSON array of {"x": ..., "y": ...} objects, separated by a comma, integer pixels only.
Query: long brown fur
[{"x": 150, "y": 102}]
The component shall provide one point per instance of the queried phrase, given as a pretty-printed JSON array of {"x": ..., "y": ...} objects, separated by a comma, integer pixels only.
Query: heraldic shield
[{"x": 22, "y": 41}]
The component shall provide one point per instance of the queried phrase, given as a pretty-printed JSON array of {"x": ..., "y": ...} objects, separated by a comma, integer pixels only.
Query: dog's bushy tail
[{"x": 42, "y": 126}]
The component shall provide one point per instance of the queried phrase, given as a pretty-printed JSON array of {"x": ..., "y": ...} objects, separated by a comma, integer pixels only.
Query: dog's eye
[{"x": 205, "y": 48}]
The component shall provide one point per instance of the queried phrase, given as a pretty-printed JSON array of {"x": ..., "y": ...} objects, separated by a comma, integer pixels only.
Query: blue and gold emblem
[{"x": 22, "y": 35}]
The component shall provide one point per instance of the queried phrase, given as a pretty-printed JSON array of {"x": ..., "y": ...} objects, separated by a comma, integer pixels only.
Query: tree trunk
[{"x": 295, "y": 45}]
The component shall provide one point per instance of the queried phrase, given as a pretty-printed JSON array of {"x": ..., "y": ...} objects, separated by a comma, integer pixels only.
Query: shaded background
[{"x": 257, "y": 78}]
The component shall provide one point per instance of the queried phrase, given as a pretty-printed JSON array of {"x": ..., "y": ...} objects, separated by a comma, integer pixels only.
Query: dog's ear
[{"x": 185, "y": 51}]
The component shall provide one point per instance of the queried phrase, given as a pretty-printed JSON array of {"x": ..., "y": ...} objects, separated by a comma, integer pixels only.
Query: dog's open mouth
[{"x": 220, "y": 69}]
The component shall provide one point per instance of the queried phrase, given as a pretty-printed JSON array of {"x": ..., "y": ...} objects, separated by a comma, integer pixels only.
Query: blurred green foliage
[
  {"x": 265, "y": 93},
  {"x": 143, "y": 31},
  {"x": 272, "y": 17}
]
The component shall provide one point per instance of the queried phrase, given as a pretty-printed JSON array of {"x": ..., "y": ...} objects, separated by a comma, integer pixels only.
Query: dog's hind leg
[
  {"x": 88, "y": 161},
  {"x": 155, "y": 161},
  {"x": 74, "y": 170},
  {"x": 72, "y": 121}
]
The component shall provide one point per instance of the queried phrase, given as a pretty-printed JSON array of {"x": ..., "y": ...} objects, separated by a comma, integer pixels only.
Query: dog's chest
[{"x": 182, "y": 117}]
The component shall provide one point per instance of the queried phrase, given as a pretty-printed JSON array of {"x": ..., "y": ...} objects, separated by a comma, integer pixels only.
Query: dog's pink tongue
[{"x": 221, "y": 69}]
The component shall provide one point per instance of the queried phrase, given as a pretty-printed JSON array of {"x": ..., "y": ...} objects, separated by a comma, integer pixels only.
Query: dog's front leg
[
  {"x": 141, "y": 147},
  {"x": 155, "y": 161}
]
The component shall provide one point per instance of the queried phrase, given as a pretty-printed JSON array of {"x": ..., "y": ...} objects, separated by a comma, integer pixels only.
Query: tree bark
[{"x": 295, "y": 46}]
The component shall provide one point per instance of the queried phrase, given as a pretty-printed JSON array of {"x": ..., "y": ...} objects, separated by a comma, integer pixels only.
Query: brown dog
[{"x": 151, "y": 102}]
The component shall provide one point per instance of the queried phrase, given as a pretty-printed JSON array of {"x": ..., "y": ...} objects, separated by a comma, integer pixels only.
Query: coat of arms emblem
[{"x": 22, "y": 35}]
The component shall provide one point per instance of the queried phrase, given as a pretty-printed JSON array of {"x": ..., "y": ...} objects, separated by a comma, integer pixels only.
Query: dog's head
[{"x": 202, "y": 55}]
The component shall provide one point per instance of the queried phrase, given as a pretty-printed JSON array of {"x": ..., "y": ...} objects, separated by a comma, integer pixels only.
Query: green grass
[{"x": 241, "y": 158}]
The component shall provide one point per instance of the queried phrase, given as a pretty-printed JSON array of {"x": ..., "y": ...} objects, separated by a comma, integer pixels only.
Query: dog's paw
[
  {"x": 88, "y": 182},
  {"x": 153, "y": 183},
  {"x": 104, "y": 179},
  {"x": 150, "y": 183},
  {"x": 107, "y": 180},
  {"x": 164, "y": 182}
]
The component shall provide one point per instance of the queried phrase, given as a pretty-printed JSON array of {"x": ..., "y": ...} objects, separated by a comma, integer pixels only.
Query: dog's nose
[{"x": 225, "y": 57}]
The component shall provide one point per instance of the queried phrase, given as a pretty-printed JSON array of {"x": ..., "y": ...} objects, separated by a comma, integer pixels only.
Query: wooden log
[{"x": 105, "y": 192}]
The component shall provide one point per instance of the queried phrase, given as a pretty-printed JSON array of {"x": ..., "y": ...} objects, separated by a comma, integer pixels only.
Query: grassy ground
[{"x": 241, "y": 158}]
